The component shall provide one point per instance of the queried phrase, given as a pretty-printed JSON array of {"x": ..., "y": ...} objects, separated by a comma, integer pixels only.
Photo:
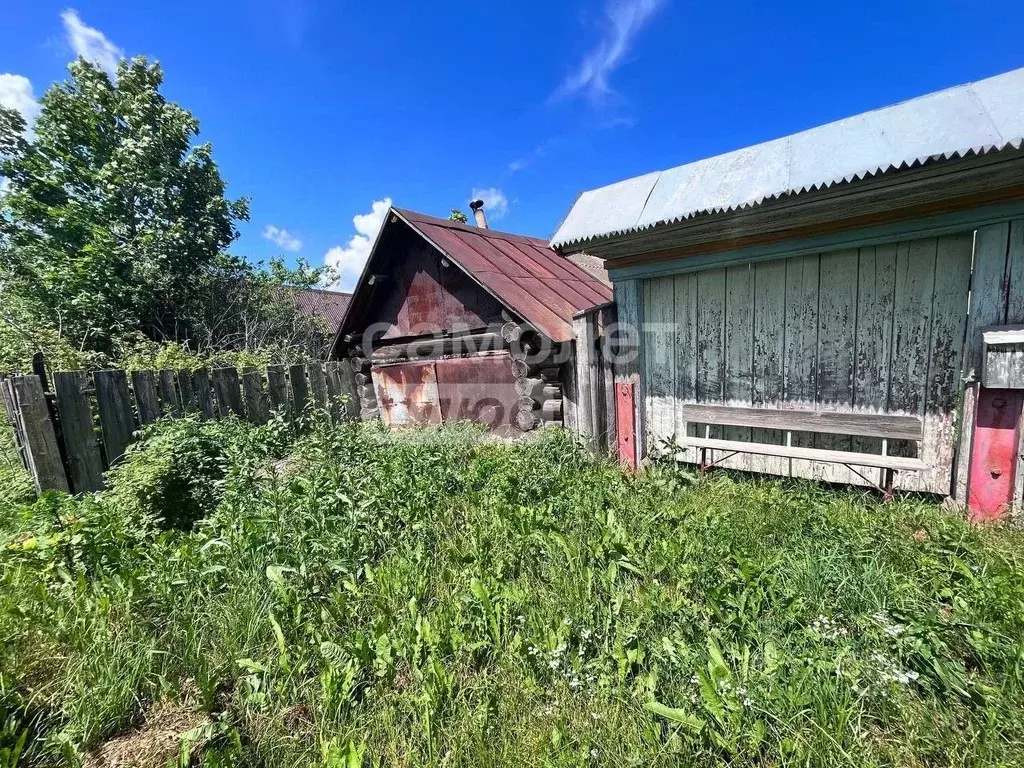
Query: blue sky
[{"x": 317, "y": 110}]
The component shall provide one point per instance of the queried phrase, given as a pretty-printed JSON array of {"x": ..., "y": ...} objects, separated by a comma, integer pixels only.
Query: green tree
[{"x": 111, "y": 210}]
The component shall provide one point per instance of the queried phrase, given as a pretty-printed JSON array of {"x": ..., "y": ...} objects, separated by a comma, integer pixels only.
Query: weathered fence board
[
  {"x": 229, "y": 391},
  {"x": 187, "y": 390},
  {"x": 7, "y": 395},
  {"x": 203, "y": 393},
  {"x": 300, "y": 389},
  {"x": 317, "y": 384},
  {"x": 146, "y": 400},
  {"x": 170, "y": 405},
  {"x": 115, "y": 407},
  {"x": 82, "y": 447},
  {"x": 277, "y": 388},
  {"x": 255, "y": 399},
  {"x": 41, "y": 448}
]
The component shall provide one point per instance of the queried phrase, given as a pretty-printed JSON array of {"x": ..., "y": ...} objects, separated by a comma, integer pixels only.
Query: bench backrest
[{"x": 858, "y": 424}]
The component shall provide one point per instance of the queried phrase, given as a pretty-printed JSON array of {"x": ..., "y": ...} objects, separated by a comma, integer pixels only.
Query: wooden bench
[{"x": 884, "y": 426}]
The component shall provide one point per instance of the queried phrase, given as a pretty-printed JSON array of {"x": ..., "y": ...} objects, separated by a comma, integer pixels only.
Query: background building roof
[
  {"x": 976, "y": 118},
  {"x": 330, "y": 305}
]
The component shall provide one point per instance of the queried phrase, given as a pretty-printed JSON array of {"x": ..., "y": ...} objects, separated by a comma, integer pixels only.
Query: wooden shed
[
  {"x": 451, "y": 322},
  {"x": 817, "y": 305}
]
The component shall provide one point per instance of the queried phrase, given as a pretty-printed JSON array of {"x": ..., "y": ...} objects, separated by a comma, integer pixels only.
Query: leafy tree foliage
[{"x": 111, "y": 211}]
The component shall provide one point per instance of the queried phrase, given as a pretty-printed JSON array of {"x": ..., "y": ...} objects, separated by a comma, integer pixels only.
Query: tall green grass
[{"x": 434, "y": 598}]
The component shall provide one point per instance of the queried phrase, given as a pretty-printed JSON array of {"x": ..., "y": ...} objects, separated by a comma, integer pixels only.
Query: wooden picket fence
[{"x": 69, "y": 436}]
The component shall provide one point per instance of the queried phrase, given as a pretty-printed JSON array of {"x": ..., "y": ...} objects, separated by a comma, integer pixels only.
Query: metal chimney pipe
[{"x": 477, "y": 206}]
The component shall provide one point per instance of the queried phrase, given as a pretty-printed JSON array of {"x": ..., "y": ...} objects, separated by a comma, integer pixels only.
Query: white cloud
[
  {"x": 16, "y": 93},
  {"x": 495, "y": 202},
  {"x": 4, "y": 184},
  {"x": 347, "y": 261},
  {"x": 91, "y": 44},
  {"x": 623, "y": 21},
  {"x": 518, "y": 164},
  {"x": 282, "y": 238}
]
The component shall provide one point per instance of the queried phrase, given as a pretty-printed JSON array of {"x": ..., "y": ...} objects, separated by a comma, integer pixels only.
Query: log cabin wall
[{"x": 875, "y": 329}]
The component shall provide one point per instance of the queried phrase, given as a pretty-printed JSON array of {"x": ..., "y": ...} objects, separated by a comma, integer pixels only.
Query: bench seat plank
[
  {"x": 858, "y": 424},
  {"x": 810, "y": 454}
]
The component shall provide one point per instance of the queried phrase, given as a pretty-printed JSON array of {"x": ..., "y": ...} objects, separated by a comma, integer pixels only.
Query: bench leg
[{"x": 887, "y": 496}]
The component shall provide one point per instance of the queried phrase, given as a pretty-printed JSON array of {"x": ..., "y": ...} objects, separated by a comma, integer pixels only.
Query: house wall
[{"x": 873, "y": 328}]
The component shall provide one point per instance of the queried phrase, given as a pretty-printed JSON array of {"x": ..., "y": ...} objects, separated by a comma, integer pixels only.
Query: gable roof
[
  {"x": 972, "y": 119},
  {"x": 330, "y": 305},
  {"x": 523, "y": 273}
]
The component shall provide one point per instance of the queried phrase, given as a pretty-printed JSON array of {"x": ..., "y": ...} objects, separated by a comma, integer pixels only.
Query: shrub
[{"x": 174, "y": 474}]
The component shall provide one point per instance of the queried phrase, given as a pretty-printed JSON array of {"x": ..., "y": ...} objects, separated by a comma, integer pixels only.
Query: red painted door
[
  {"x": 994, "y": 451},
  {"x": 624, "y": 421}
]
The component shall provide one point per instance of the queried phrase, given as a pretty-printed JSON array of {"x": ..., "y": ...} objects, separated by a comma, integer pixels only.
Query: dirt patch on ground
[{"x": 158, "y": 740}]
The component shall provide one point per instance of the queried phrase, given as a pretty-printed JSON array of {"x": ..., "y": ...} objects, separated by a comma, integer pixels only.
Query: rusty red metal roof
[
  {"x": 524, "y": 273},
  {"x": 330, "y": 305}
]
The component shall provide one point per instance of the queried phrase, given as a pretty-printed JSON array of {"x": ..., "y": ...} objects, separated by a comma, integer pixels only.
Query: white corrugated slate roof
[{"x": 974, "y": 118}]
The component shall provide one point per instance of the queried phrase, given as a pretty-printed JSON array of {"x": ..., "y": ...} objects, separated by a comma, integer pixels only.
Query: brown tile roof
[
  {"x": 330, "y": 305},
  {"x": 524, "y": 273}
]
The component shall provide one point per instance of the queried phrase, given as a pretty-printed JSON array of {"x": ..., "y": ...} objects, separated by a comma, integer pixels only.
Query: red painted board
[
  {"x": 624, "y": 420},
  {"x": 994, "y": 452}
]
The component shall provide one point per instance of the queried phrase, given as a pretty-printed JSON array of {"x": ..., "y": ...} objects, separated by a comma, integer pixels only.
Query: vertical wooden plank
[
  {"x": 187, "y": 390},
  {"x": 582, "y": 331},
  {"x": 685, "y": 352},
  {"x": 659, "y": 361},
  {"x": 876, "y": 288},
  {"x": 801, "y": 346},
  {"x": 711, "y": 339},
  {"x": 837, "y": 333},
  {"x": 353, "y": 407},
  {"x": 945, "y": 350},
  {"x": 277, "y": 388},
  {"x": 607, "y": 318},
  {"x": 915, "y": 283},
  {"x": 629, "y": 362},
  {"x": 569, "y": 391},
  {"x": 13, "y": 415},
  {"x": 333, "y": 389},
  {"x": 169, "y": 402},
  {"x": 317, "y": 384},
  {"x": 256, "y": 406},
  {"x": 80, "y": 442},
  {"x": 769, "y": 314},
  {"x": 229, "y": 392},
  {"x": 300, "y": 389},
  {"x": 203, "y": 393},
  {"x": 989, "y": 290},
  {"x": 40, "y": 437},
  {"x": 115, "y": 406},
  {"x": 1015, "y": 272},
  {"x": 146, "y": 399},
  {"x": 739, "y": 352},
  {"x": 1015, "y": 314}
]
